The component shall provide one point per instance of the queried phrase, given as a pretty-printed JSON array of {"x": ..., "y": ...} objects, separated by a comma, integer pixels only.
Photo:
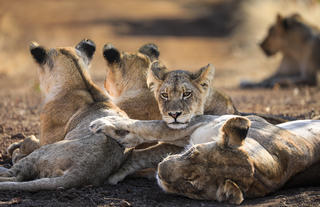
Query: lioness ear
[
  {"x": 204, "y": 76},
  {"x": 151, "y": 50},
  {"x": 156, "y": 74},
  {"x": 289, "y": 22},
  {"x": 111, "y": 54},
  {"x": 229, "y": 192},
  {"x": 283, "y": 22},
  {"x": 279, "y": 19},
  {"x": 86, "y": 47},
  {"x": 39, "y": 53},
  {"x": 234, "y": 131},
  {"x": 296, "y": 16}
]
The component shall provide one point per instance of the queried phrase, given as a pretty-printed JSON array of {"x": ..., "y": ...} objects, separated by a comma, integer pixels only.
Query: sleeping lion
[{"x": 230, "y": 157}]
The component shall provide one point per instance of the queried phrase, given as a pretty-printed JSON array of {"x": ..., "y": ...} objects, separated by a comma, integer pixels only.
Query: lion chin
[{"x": 177, "y": 125}]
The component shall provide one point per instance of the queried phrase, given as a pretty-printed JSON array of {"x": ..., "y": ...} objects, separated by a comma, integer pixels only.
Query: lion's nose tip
[{"x": 175, "y": 114}]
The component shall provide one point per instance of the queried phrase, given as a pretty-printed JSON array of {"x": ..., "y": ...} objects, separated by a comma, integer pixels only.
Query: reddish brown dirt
[{"x": 189, "y": 33}]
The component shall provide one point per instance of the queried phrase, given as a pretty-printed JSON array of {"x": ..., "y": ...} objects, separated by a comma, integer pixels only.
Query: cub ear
[
  {"x": 111, "y": 54},
  {"x": 38, "y": 52},
  {"x": 234, "y": 131},
  {"x": 229, "y": 192},
  {"x": 204, "y": 76},
  {"x": 86, "y": 47},
  {"x": 156, "y": 74},
  {"x": 151, "y": 50}
]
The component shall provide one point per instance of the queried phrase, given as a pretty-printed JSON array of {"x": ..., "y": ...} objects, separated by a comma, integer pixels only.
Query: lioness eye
[
  {"x": 164, "y": 95},
  {"x": 186, "y": 94}
]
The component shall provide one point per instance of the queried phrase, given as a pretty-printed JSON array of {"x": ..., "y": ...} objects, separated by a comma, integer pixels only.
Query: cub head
[
  {"x": 127, "y": 70},
  {"x": 286, "y": 34},
  {"x": 180, "y": 94},
  {"x": 62, "y": 68},
  {"x": 218, "y": 170}
]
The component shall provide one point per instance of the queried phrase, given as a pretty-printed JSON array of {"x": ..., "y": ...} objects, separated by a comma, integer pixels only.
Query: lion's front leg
[
  {"x": 118, "y": 128},
  {"x": 132, "y": 132},
  {"x": 142, "y": 159}
]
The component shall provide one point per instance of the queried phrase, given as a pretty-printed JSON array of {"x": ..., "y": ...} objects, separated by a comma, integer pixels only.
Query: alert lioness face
[
  {"x": 286, "y": 34},
  {"x": 180, "y": 94}
]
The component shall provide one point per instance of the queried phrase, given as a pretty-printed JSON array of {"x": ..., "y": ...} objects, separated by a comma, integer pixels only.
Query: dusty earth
[{"x": 189, "y": 34}]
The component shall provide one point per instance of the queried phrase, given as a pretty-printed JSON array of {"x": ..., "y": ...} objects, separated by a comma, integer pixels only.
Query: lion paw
[
  {"x": 102, "y": 125},
  {"x": 114, "y": 179}
]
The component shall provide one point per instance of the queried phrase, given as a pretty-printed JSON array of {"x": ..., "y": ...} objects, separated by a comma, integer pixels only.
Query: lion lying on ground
[
  {"x": 299, "y": 43},
  {"x": 230, "y": 157},
  {"x": 180, "y": 95},
  {"x": 70, "y": 154}
]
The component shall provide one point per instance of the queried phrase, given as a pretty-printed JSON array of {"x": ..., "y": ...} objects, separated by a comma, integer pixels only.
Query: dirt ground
[{"x": 189, "y": 34}]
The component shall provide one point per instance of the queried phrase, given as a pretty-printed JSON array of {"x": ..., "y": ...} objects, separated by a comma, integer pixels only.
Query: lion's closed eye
[
  {"x": 121, "y": 133},
  {"x": 192, "y": 178}
]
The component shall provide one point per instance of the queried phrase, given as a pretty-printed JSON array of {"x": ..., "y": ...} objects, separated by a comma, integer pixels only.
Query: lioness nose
[{"x": 175, "y": 114}]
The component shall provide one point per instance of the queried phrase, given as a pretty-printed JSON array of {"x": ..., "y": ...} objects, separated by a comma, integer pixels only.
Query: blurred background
[{"x": 189, "y": 33}]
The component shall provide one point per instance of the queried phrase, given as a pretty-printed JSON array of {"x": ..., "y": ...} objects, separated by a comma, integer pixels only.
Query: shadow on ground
[{"x": 218, "y": 21}]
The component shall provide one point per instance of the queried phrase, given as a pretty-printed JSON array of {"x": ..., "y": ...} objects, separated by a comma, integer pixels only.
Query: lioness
[
  {"x": 299, "y": 43},
  {"x": 230, "y": 157},
  {"x": 70, "y": 154}
]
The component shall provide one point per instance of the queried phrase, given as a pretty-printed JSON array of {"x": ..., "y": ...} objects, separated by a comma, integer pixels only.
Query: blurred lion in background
[{"x": 299, "y": 43}]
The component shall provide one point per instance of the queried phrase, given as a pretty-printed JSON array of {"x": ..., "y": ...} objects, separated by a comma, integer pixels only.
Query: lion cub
[
  {"x": 70, "y": 155},
  {"x": 182, "y": 94},
  {"x": 299, "y": 43}
]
